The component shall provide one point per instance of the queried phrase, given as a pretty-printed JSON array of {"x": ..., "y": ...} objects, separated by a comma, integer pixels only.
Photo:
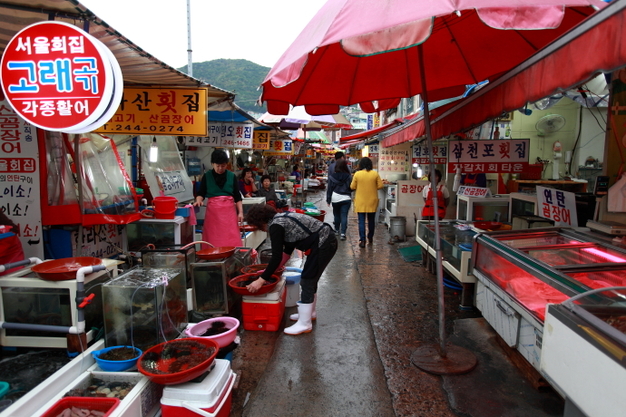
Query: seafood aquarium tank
[
  {"x": 212, "y": 296},
  {"x": 145, "y": 307}
]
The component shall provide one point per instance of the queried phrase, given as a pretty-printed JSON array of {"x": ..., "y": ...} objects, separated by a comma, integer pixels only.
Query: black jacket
[{"x": 338, "y": 182}]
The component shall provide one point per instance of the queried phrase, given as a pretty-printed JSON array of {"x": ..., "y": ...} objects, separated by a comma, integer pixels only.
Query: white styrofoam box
[
  {"x": 141, "y": 401},
  {"x": 270, "y": 297},
  {"x": 205, "y": 394},
  {"x": 501, "y": 316}
]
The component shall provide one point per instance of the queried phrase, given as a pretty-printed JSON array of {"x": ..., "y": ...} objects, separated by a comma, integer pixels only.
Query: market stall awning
[
  {"x": 138, "y": 66},
  {"x": 368, "y": 133},
  {"x": 603, "y": 35},
  {"x": 310, "y": 136}
]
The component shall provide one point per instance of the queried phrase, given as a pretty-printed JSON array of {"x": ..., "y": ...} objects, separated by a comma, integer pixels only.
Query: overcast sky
[{"x": 256, "y": 30}]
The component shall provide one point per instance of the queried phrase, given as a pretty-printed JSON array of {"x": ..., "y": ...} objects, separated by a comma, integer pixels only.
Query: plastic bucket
[
  {"x": 397, "y": 228},
  {"x": 292, "y": 280},
  {"x": 164, "y": 207}
]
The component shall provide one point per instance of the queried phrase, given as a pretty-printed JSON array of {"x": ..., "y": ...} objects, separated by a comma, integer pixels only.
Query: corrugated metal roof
[{"x": 138, "y": 66}]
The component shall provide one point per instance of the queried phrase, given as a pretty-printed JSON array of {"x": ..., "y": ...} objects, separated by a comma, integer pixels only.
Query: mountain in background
[{"x": 239, "y": 76}]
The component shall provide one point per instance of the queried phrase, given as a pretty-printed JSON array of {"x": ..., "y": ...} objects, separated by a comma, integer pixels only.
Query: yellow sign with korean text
[
  {"x": 160, "y": 111},
  {"x": 261, "y": 139}
]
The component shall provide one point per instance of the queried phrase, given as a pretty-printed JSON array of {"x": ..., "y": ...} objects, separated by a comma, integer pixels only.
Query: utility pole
[{"x": 189, "y": 59}]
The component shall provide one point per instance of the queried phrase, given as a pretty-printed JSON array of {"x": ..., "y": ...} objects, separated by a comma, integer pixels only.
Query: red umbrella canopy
[{"x": 364, "y": 51}]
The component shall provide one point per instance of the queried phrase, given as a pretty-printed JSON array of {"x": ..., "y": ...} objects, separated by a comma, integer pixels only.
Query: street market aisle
[
  {"x": 374, "y": 311},
  {"x": 335, "y": 369}
]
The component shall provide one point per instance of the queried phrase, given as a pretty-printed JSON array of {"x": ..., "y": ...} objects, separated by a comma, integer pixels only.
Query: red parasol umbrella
[
  {"x": 376, "y": 52},
  {"x": 356, "y": 51}
]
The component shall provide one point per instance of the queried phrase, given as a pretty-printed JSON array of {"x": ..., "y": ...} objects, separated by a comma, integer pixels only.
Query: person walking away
[
  {"x": 224, "y": 210},
  {"x": 289, "y": 231},
  {"x": 366, "y": 182},
  {"x": 338, "y": 193},
  {"x": 338, "y": 157},
  {"x": 443, "y": 199},
  {"x": 246, "y": 183}
]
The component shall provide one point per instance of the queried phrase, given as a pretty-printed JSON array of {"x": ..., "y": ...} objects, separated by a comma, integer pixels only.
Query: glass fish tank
[
  {"x": 50, "y": 304},
  {"x": 172, "y": 256},
  {"x": 212, "y": 295},
  {"x": 145, "y": 307},
  {"x": 158, "y": 232}
]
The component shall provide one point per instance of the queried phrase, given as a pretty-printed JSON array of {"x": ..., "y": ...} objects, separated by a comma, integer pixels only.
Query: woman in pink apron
[{"x": 224, "y": 210}]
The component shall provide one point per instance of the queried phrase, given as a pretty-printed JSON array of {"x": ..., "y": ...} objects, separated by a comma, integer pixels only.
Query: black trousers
[{"x": 315, "y": 264}]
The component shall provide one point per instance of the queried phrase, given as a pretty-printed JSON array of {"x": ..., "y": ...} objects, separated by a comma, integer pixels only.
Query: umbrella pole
[{"x": 443, "y": 359}]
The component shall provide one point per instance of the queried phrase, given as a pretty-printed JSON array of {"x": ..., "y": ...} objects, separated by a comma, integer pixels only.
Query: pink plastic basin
[{"x": 222, "y": 339}]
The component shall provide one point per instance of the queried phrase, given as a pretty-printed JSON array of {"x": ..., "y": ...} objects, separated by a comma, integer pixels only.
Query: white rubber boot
[
  {"x": 303, "y": 325},
  {"x": 294, "y": 316}
]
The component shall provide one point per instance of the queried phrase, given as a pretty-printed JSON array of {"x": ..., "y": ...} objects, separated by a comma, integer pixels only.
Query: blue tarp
[{"x": 235, "y": 116}]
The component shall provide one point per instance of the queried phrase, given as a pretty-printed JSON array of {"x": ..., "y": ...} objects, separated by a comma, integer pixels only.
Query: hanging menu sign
[
  {"x": 421, "y": 154},
  {"x": 19, "y": 179},
  {"x": 393, "y": 161},
  {"x": 488, "y": 156}
]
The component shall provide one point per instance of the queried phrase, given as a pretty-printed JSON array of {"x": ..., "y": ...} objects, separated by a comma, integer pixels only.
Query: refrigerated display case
[
  {"x": 494, "y": 208},
  {"x": 584, "y": 352},
  {"x": 456, "y": 247},
  {"x": 520, "y": 272}
]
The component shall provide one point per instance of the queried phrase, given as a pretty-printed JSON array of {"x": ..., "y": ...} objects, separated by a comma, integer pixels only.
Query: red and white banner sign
[
  {"x": 60, "y": 78},
  {"x": 19, "y": 180},
  {"x": 488, "y": 156}
]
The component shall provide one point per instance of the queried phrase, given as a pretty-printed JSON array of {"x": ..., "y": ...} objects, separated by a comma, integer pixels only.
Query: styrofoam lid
[{"x": 206, "y": 392}]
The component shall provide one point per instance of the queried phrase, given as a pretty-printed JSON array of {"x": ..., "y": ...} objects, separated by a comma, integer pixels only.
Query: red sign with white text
[{"x": 57, "y": 76}]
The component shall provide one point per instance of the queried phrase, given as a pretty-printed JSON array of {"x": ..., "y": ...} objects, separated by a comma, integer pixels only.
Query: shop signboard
[
  {"x": 160, "y": 111},
  {"x": 261, "y": 140},
  {"x": 421, "y": 154},
  {"x": 488, "y": 156},
  {"x": 373, "y": 151},
  {"x": 280, "y": 147},
  {"x": 100, "y": 240},
  {"x": 557, "y": 205},
  {"x": 225, "y": 135},
  {"x": 19, "y": 179},
  {"x": 467, "y": 191},
  {"x": 60, "y": 78},
  {"x": 393, "y": 161}
]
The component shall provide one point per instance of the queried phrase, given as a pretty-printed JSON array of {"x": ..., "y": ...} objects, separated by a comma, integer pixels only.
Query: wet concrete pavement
[{"x": 374, "y": 311}]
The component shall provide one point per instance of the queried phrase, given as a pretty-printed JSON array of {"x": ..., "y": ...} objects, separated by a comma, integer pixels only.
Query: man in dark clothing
[{"x": 339, "y": 194}]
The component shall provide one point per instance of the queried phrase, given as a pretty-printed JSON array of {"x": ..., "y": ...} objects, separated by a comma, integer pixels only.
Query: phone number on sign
[{"x": 142, "y": 129}]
